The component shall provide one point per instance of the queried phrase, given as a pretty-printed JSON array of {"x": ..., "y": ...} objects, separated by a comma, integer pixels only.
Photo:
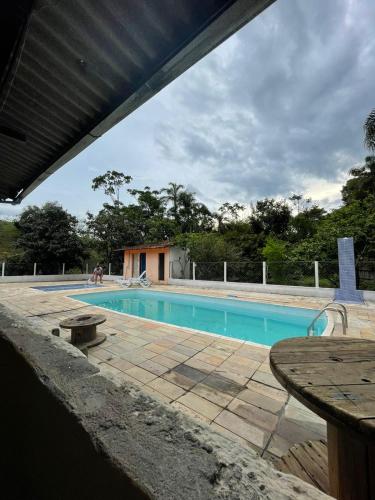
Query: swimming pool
[
  {"x": 56, "y": 288},
  {"x": 252, "y": 321}
]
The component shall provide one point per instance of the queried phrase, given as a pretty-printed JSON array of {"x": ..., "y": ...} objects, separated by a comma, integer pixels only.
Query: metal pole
[
  {"x": 264, "y": 273},
  {"x": 3, "y": 269},
  {"x": 87, "y": 268},
  {"x": 109, "y": 268},
  {"x": 34, "y": 268},
  {"x": 225, "y": 272},
  {"x": 63, "y": 268},
  {"x": 316, "y": 266},
  {"x": 194, "y": 271},
  {"x": 123, "y": 269}
]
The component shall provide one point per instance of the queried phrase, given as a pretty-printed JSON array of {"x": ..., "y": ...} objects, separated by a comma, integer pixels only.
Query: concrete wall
[
  {"x": 259, "y": 288},
  {"x": 53, "y": 277},
  {"x": 304, "y": 291},
  {"x": 68, "y": 433}
]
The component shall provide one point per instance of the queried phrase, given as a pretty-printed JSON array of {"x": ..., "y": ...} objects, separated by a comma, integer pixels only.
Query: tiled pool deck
[{"x": 226, "y": 383}]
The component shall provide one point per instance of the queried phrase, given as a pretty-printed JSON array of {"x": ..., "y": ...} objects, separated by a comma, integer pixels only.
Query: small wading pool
[
  {"x": 252, "y": 321},
  {"x": 56, "y": 288}
]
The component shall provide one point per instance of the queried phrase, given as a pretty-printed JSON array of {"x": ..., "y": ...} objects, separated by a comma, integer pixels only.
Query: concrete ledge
[
  {"x": 53, "y": 277},
  {"x": 258, "y": 288},
  {"x": 69, "y": 433}
]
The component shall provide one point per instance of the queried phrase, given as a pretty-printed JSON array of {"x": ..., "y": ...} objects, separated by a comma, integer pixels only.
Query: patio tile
[
  {"x": 140, "y": 374},
  {"x": 163, "y": 360},
  {"x": 219, "y": 398},
  {"x": 185, "y": 350},
  {"x": 177, "y": 356},
  {"x": 295, "y": 433},
  {"x": 102, "y": 354},
  {"x": 170, "y": 390},
  {"x": 191, "y": 373},
  {"x": 244, "y": 429},
  {"x": 223, "y": 384},
  {"x": 278, "y": 446},
  {"x": 178, "y": 379},
  {"x": 268, "y": 391},
  {"x": 153, "y": 367},
  {"x": 234, "y": 437},
  {"x": 158, "y": 349},
  {"x": 261, "y": 401},
  {"x": 241, "y": 380},
  {"x": 155, "y": 394},
  {"x": 190, "y": 412},
  {"x": 199, "y": 365},
  {"x": 267, "y": 379},
  {"x": 121, "y": 364},
  {"x": 253, "y": 414},
  {"x": 200, "y": 405},
  {"x": 209, "y": 358}
]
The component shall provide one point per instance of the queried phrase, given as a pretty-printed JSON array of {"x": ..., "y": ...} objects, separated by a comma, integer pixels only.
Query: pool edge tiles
[{"x": 256, "y": 322}]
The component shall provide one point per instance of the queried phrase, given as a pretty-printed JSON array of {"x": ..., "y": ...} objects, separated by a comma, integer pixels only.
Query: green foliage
[
  {"x": 8, "y": 238},
  {"x": 111, "y": 182},
  {"x": 369, "y": 128},
  {"x": 48, "y": 236},
  {"x": 274, "y": 250},
  {"x": 207, "y": 247},
  {"x": 362, "y": 185},
  {"x": 271, "y": 217}
]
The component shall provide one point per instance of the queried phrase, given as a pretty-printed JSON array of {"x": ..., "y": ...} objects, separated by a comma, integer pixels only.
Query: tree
[
  {"x": 363, "y": 183},
  {"x": 369, "y": 128},
  {"x": 299, "y": 202},
  {"x": 111, "y": 182},
  {"x": 227, "y": 213},
  {"x": 304, "y": 224},
  {"x": 48, "y": 236},
  {"x": 270, "y": 217},
  {"x": 172, "y": 195},
  {"x": 8, "y": 238}
]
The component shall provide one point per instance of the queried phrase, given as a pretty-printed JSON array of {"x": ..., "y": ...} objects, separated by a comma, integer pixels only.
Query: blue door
[{"x": 142, "y": 263}]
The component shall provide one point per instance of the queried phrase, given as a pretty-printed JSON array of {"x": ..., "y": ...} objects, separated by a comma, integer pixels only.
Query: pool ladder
[{"x": 339, "y": 308}]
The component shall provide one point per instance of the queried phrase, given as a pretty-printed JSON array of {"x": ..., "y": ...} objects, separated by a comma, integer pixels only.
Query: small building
[{"x": 161, "y": 261}]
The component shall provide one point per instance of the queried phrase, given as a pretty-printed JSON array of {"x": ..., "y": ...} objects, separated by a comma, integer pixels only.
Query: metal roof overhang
[{"x": 72, "y": 69}]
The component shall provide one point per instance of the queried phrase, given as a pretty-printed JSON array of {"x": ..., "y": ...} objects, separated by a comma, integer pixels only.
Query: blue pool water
[
  {"x": 56, "y": 288},
  {"x": 253, "y": 321}
]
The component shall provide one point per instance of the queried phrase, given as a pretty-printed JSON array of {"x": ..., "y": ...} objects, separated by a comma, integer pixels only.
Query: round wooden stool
[{"x": 83, "y": 329}]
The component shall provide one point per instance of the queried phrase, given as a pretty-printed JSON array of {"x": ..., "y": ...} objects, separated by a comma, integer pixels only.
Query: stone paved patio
[{"x": 226, "y": 383}]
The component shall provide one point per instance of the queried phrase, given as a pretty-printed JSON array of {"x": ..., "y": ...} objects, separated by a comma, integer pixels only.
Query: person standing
[{"x": 98, "y": 273}]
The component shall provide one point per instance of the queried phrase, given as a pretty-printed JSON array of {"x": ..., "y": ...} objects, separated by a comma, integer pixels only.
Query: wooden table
[
  {"x": 335, "y": 378},
  {"x": 83, "y": 329}
]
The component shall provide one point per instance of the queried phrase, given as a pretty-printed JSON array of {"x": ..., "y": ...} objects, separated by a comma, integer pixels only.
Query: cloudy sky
[{"x": 277, "y": 109}]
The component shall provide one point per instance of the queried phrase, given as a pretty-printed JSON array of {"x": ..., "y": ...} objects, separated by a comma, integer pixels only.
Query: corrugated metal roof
[
  {"x": 146, "y": 246},
  {"x": 84, "y": 65}
]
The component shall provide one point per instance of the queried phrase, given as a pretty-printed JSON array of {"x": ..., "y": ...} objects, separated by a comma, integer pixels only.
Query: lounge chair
[{"x": 142, "y": 280}]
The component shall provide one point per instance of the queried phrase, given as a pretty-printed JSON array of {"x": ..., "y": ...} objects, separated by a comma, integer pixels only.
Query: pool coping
[{"x": 326, "y": 332}]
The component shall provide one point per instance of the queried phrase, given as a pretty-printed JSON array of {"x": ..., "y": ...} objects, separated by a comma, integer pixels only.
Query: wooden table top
[
  {"x": 334, "y": 377},
  {"x": 83, "y": 320}
]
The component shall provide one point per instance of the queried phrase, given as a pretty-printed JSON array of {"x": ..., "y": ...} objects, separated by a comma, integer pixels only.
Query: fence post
[
  {"x": 264, "y": 265},
  {"x": 194, "y": 271},
  {"x": 109, "y": 268},
  {"x": 34, "y": 268},
  {"x": 170, "y": 269},
  {"x": 123, "y": 269},
  {"x": 87, "y": 268},
  {"x": 3, "y": 269},
  {"x": 316, "y": 267},
  {"x": 225, "y": 272},
  {"x": 63, "y": 268}
]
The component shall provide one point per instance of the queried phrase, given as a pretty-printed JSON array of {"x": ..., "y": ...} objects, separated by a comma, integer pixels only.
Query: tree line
[{"x": 290, "y": 230}]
